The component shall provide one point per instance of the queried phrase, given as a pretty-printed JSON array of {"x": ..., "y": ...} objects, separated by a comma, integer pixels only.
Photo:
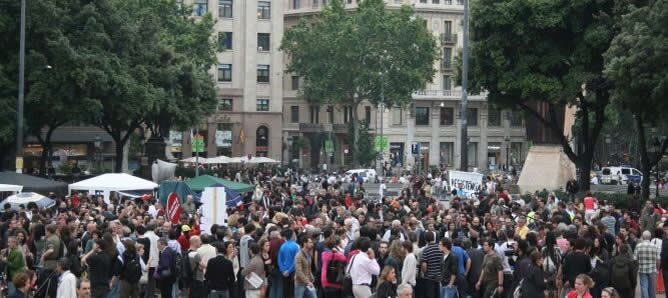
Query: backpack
[
  {"x": 131, "y": 269},
  {"x": 177, "y": 269},
  {"x": 335, "y": 271},
  {"x": 187, "y": 272},
  {"x": 620, "y": 274}
]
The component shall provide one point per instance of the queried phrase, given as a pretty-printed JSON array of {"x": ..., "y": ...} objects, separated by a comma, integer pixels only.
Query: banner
[
  {"x": 173, "y": 208},
  {"x": 470, "y": 183},
  {"x": 214, "y": 208},
  {"x": 224, "y": 138}
]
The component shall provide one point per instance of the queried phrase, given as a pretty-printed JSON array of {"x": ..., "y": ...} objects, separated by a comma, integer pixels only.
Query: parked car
[
  {"x": 620, "y": 175},
  {"x": 366, "y": 174}
]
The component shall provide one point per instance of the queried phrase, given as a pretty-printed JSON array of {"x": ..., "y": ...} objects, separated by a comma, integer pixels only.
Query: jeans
[
  {"x": 302, "y": 291},
  {"x": 115, "y": 288},
  {"x": 276, "y": 284},
  {"x": 648, "y": 285},
  {"x": 219, "y": 294},
  {"x": 448, "y": 292},
  {"x": 431, "y": 288}
]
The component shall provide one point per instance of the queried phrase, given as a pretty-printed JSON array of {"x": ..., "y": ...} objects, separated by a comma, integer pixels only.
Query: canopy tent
[
  {"x": 194, "y": 159},
  {"x": 199, "y": 183},
  {"x": 107, "y": 183},
  {"x": 33, "y": 183},
  {"x": 218, "y": 160},
  {"x": 252, "y": 160},
  {"x": 11, "y": 187},
  {"x": 181, "y": 189},
  {"x": 27, "y": 197}
]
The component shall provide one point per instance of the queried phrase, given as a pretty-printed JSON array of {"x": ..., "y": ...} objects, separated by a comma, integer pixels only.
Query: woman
[
  {"x": 450, "y": 232},
  {"x": 332, "y": 258},
  {"x": 609, "y": 292},
  {"x": 24, "y": 282},
  {"x": 409, "y": 268},
  {"x": 582, "y": 285},
  {"x": 231, "y": 254},
  {"x": 254, "y": 269},
  {"x": 551, "y": 259},
  {"x": 387, "y": 283},
  {"x": 534, "y": 283},
  {"x": 129, "y": 280},
  {"x": 73, "y": 256},
  {"x": 598, "y": 251},
  {"x": 396, "y": 258},
  {"x": 269, "y": 266}
]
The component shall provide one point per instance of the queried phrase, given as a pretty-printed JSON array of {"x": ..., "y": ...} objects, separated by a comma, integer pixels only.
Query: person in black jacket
[
  {"x": 387, "y": 283},
  {"x": 534, "y": 282},
  {"x": 219, "y": 274},
  {"x": 449, "y": 269}
]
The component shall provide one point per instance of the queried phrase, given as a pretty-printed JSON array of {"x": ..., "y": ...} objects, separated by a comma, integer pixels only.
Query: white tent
[
  {"x": 11, "y": 187},
  {"x": 252, "y": 160},
  {"x": 218, "y": 160},
  {"x": 107, "y": 183},
  {"x": 194, "y": 159}
]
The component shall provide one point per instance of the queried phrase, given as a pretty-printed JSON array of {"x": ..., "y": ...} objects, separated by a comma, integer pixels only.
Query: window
[
  {"x": 294, "y": 114},
  {"x": 262, "y": 141},
  {"x": 350, "y": 1},
  {"x": 296, "y": 4},
  {"x": 447, "y": 28},
  {"x": 434, "y": 1},
  {"x": 295, "y": 82},
  {"x": 447, "y": 116},
  {"x": 263, "y": 42},
  {"x": 330, "y": 114},
  {"x": 516, "y": 156},
  {"x": 315, "y": 3},
  {"x": 367, "y": 115},
  {"x": 447, "y": 2},
  {"x": 447, "y": 58},
  {"x": 447, "y": 153},
  {"x": 423, "y": 1},
  {"x": 262, "y": 105},
  {"x": 263, "y": 73},
  {"x": 460, "y": 2},
  {"x": 264, "y": 10},
  {"x": 224, "y": 104},
  {"x": 472, "y": 153},
  {"x": 396, "y": 116},
  {"x": 347, "y": 114},
  {"x": 200, "y": 7},
  {"x": 447, "y": 83},
  {"x": 421, "y": 116},
  {"x": 516, "y": 118},
  {"x": 494, "y": 117},
  {"x": 224, "y": 72},
  {"x": 472, "y": 117},
  {"x": 225, "y": 8},
  {"x": 225, "y": 41},
  {"x": 315, "y": 114}
]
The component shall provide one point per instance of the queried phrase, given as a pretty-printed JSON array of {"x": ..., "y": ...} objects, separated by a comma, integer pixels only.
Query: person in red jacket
[{"x": 184, "y": 238}]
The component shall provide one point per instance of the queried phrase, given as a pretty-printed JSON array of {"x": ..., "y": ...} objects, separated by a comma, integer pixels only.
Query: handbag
[{"x": 347, "y": 286}]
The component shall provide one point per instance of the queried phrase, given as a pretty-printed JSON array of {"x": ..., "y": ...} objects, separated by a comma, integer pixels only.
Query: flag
[
  {"x": 173, "y": 208},
  {"x": 242, "y": 136}
]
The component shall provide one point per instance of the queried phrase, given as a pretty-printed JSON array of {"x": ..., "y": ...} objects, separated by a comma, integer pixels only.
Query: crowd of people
[{"x": 323, "y": 238}]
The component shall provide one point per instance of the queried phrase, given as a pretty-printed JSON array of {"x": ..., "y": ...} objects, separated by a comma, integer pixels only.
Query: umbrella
[
  {"x": 194, "y": 159},
  {"x": 264, "y": 160},
  {"x": 218, "y": 159},
  {"x": 27, "y": 197},
  {"x": 252, "y": 160}
]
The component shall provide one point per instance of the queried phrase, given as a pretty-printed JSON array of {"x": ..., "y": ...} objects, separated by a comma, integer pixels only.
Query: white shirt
[
  {"x": 361, "y": 269},
  {"x": 206, "y": 252},
  {"x": 153, "y": 253},
  {"x": 501, "y": 252},
  {"x": 67, "y": 285},
  {"x": 409, "y": 269}
]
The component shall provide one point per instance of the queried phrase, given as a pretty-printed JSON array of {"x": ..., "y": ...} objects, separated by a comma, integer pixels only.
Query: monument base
[{"x": 546, "y": 167}]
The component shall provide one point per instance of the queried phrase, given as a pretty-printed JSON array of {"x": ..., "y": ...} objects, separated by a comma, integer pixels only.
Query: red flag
[{"x": 173, "y": 208}]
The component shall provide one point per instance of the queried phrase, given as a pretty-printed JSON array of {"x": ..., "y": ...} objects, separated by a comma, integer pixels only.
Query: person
[
  {"x": 476, "y": 257},
  {"x": 165, "y": 270},
  {"x": 303, "y": 275},
  {"x": 67, "y": 282},
  {"x": 430, "y": 267},
  {"x": 197, "y": 287},
  {"x": 83, "y": 289},
  {"x": 15, "y": 262},
  {"x": 361, "y": 267},
  {"x": 255, "y": 267},
  {"x": 648, "y": 261},
  {"x": 334, "y": 260},
  {"x": 449, "y": 268},
  {"x": 574, "y": 263},
  {"x": 409, "y": 267},
  {"x": 609, "y": 292},
  {"x": 153, "y": 257},
  {"x": 387, "y": 283},
  {"x": 551, "y": 262},
  {"x": 23, "y": 282},
  {"x": 405, "y": 291},
  {"x": 219, "y": 274},
  {"x": 99, "y": 264},
  {"x": 581, "y": 287},
  {"x": 286, "y": 261},
  {"x": 623, "y": 272},
  {"x": 130, "y": 270},
  {"x": 491, "y": 277},
  {"x": 534, "y": 283},
  {"x": 396, "y": 257}
]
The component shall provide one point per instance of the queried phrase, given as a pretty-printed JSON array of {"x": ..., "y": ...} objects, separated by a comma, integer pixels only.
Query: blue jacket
[
  {"x": 286, "y": 256},
  {"x": 462, "y": 256}
]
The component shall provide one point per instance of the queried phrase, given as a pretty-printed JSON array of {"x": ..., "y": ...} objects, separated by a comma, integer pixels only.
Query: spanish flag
[{"x": 242, "y": 136}]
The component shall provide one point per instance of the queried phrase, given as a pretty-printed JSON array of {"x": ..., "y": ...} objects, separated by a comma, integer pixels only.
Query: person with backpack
[
  {"x": 193, "y": 272},
  {"x": 623, "y": 272},
  {"x": 333, "y": 267},
  {"x": 551, "y": 261},
  {"x": 165, "y": 273},
  {"x": 130, "y": 271},
  {"x": 254, "y": 270}
]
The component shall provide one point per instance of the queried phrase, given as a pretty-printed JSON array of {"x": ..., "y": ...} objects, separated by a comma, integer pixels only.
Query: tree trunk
[
  {"x": 356, "y": 135},
  {"x": 583, "y": 171},
  {"x": 47, "y": 150},
  {"x": 120, "y": 152},
  {"x": 645, "y": 166}
]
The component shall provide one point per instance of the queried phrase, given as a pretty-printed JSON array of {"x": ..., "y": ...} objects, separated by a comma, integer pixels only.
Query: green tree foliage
[
  {"x": 637, "y": 64},
  {"x": 366, "y": 149},
  {"x": 342, "y": 55},
  {"x": 527, "y": 53}
]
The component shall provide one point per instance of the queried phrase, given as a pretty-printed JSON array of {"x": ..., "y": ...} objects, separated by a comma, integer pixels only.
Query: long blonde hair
[
  {"x": 383, "y": 275},
  {"x": 397, "y": 250}
]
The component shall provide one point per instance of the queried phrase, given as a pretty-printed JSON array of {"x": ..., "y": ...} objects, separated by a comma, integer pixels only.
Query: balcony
[
  {"x": 446, "y": 95},
  {"x": 447, "y": 65},
  {"x": 314, "y": 127},
  {"x": 448, "y": 38}
]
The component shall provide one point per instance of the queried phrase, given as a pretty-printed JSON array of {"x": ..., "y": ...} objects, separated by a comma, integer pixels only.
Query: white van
[
  {"x": 620, "y": 175},
  {"x": 366, "y": 174}
]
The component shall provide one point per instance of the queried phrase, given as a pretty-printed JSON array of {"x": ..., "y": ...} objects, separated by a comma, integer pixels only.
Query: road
[{"x": 622, "y": 189}]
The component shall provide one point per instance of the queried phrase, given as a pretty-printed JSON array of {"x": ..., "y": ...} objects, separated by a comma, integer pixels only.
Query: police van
[{"x": 620, "y": 175}]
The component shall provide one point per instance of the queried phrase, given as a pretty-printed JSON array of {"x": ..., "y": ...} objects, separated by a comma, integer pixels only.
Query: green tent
[{"x": 199, "y": 183}]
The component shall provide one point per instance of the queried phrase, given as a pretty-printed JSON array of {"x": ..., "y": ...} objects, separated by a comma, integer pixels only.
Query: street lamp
[{"x": 507, "y": 151}]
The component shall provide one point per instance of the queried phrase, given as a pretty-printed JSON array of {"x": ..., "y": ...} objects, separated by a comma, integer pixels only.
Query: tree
[
  {"x": 547, "y": 52},
  {"x": 637, "y": 64},
  {"x": 344, "y": 56},
  {"x": 366, "y": 150}
]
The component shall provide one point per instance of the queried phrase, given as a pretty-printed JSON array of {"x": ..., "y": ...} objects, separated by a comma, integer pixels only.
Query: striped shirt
[
  {"x": 609, "y": 222},
  {"x": 647, "y": 256},
  {"x": 432, "y": 256}
]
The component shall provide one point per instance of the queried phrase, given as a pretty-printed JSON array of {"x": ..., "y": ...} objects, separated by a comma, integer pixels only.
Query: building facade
[{"x": 497, "y": 137}]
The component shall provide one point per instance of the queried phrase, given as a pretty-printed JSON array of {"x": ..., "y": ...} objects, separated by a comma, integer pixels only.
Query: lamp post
[
  {"x": 608, "y": 140},
  {"x": 19, "y": 106},
  {"x": 507, "y": 152},
  {"x": 463, "y": 166}
]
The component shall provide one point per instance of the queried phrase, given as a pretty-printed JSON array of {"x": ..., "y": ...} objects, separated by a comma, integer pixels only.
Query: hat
[{"x": 185, "y": 228}]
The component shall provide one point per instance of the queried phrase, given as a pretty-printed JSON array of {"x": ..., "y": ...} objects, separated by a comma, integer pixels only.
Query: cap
[{"x": 185, "y": 228}]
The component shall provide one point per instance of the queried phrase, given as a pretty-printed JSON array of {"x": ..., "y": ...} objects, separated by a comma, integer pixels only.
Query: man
[
  {"x": 303, "y": 275},
  {"x": 286, "y": 261},
  {"x": 50, "y": 256},
  {"x": 189, "y": 207},
  {"x": 609, "y": 221},
  {"x": 522, "y": 228},
  {"x": 153, "y": 257},
  {"x": 647, "y": 256},
  {"x": 99, "y": 269},
  {"x": 197, "y": 285},
  {"x": 430, "y": 266},
  {"x": 623, "y": 273},
  {"x": 491, "y": 276},
  {"x": 255, "y": 267},
  {"x": 573, "y": 264},
  {"x": 244, "y": 242},
  {"x": 396, "y": 226},
  {"x": 83, "y": 291},
  {"x": 405, "y": 291},
  {"x": 165, "y": 269},
  {"x": 219, "y": 274},
  {"x": 14, "y": 261},
  {"x": 449, "y": 270},
  {"x": 476, "y": 256},
  {"x": 463, "y": 264},
  {"x": 207, "y": 251},
  {"x": 275, "y": 276},
  {"x": 67, "y": 282},
  {"x": 383, "y": 250}
]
